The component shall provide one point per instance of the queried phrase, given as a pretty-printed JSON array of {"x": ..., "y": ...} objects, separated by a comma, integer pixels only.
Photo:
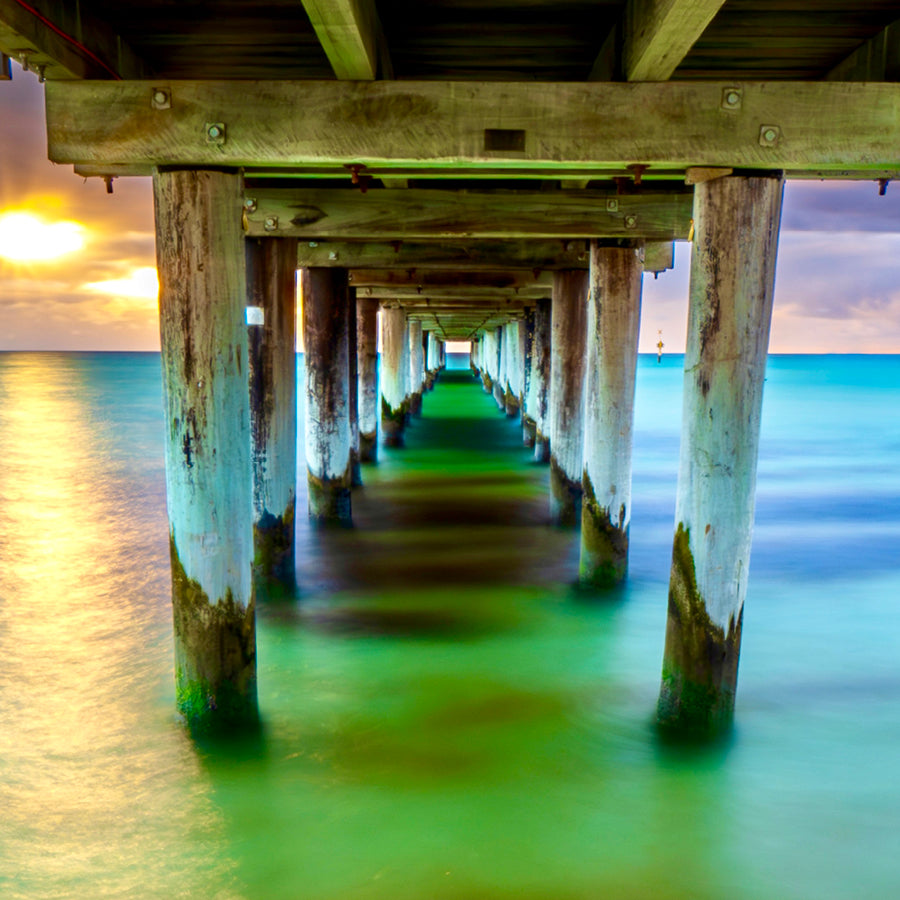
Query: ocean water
[{"x": 445, "y": 716}]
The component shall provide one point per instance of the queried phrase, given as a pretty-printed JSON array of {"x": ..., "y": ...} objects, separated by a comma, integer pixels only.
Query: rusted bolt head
[
  {"x": 630, "y": 221},
  {"x": 333, "y": 255},
  {"x": 271, "y": 223},
  {"x": 215, "y": 132},
  {"x": 250, "y": 204},
  {"x": 769, "y": 135}
]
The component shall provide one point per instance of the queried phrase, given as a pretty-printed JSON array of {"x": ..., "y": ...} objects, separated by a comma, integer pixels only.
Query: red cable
[{"x": 77, "y": 44}]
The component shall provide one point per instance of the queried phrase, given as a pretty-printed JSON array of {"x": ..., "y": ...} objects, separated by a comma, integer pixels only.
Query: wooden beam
[
  {"x": 350, "y": 35},
  {"x": 429, "y": 279},
  {"x": 59, "y": 41},
  {"x": 876, "y": 60},
  {"x": 839, "y": 130},
  {"x": 652, "y": 38},
  {"x": 5, "y": 68},
  {"x": 660, "y": 33},
  {"x": 460, "y": 255},
  {"x": 449, "y": 294},
  {"x": 417, "y": 214}
]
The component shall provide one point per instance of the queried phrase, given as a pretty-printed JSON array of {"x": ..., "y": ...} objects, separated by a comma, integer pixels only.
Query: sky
[{"x": 837, "y": 287}]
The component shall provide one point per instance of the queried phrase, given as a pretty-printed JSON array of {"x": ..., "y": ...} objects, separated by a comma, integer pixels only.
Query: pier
[{"x": 508, "y": 202}]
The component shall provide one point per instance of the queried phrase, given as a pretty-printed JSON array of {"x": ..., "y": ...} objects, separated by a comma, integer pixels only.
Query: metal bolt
[
  {"x": 768, "y": 135},
  {"x": 333, "y": 256},
  {"x": 314, "y": 244},
  {"x": 250, "y": 204},
  {"x": 731, "y": 98},
  {"x": 160, "y": 98},
  {"x": 630, "y": 221},
  {"x": 215, "y": 132},
  {"x": 612, "y": 205},
  {"x": 271, "y": 223}
]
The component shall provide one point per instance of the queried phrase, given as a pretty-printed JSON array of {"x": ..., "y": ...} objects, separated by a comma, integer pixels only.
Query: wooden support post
[
  {"x": 614, "y": 312},
  {"x": 327, "y": 345},
  {"x": 353, "y": 375},
  {"x": 394, "y": 375},
  {"x": 202, "y": 271},
  {"x": 540, "y": 379},
  {"x": 568, "y": 333},
  {"x": 732, "y": 283},
  {"x": 488, "y": 355},
  {"x": 272, "y": 344},
  {"x": 416, "y": 365},
  {"x": 512, "y": 399},
  {"x": 499, "y": 377},
  {"x": 367, "y": 355},
  {"x": 528, "y": 423},
  {"x": 430, "y": 360}
]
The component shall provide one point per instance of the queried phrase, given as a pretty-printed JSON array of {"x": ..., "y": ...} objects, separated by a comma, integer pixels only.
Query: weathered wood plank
[
  {"x": 460, "y": 255},
  {"x": 350, "y": 35},
  {"x": 49, "y": 52},
  {"x": 5, "y": 68},
  {"x": 416, "y": 214},
  {"x": 876, "y": 60},
  {"x": 441, "y": 295},
  {"x": 830, "y": 127}
]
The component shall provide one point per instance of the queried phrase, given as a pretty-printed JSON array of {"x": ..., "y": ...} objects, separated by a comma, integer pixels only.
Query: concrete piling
[
  {"x": 528, "y": 423},
  {"x": 203, "y": 335},
  {"x": 512, "y": 396},
  {"x": 568, "y": 334},
  {"x": 272, "y": 339},
  {"x": 732, "y": 284},
  {"x": 614, "y": 311},
  {"x": 326, "y": 322}
]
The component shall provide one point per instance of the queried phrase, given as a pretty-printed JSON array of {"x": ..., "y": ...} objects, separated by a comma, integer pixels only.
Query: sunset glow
[
  {"x": 141, "y": 284},
  {"x": 25, "y": 237}
]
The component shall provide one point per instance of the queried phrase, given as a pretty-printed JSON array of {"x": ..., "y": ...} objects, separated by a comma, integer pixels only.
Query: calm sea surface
[{"x": 445, "y": 717}]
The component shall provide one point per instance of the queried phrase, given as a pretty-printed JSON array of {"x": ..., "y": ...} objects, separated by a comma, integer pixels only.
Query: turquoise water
[{"x": 445, "y": 716}]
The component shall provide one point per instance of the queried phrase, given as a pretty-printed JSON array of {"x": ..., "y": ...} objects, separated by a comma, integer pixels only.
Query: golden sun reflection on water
[{"x": 81, "y": 768}]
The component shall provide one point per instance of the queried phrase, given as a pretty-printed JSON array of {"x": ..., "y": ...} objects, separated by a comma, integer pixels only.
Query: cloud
[{"x": 840, "y": 206}]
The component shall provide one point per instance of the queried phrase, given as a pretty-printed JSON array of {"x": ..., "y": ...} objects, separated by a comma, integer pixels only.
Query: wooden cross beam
[
  {"x": 430, "y": 279},
  {"x": 351, "y": 36},
  {"x": 652, "y": 38},
  {"x": 461, "y": 255},
  {"x": 445, "y": 294},
  {"x": 421, "y": 214},
  {"x": 826, "y": 129}
]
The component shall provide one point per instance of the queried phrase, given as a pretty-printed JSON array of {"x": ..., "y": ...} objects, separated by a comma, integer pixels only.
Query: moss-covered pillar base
[
  {"x": 203, "y": 290},
  {"x": 565, "y": 497},
  {"x": 604, "y": 541},
  {"x": 368, "y": 447},
  {"x": 614, "y": 311},
  {"x": 541, "y": 448},
  {"x": 529, "y": 430},
  {"x": 732, "y": 285},
  {"x": 415, "y": 404},
  {"x": 499, "y": 396},
  {"x": 416, "y": 367},
  {"x": 510, "y": 404},
  {"x": 326, "y": 327},
  {"x": 487, "y": 383},
  {"x": 394, "y": 375},
  {"x": 568, "y": 337}
]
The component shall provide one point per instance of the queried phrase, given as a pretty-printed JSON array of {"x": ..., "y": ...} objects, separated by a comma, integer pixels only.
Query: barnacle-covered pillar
[
  {"x": 203, "y": 336},
  {"x": 367, "y": 356},
  {"x": 416, "y": 367},
  {"x": 430, "y": 360},
  {"x": 614, "y": 312},
  {"x": 569, "y": 330},
  {"x": 732, "y": 282},
  {"x": 539, "y": 389},
  {"x": 272, "y": 340},
  {"x": 326, "y": 341},
  {"x": 500, "y": 377},
  {"x": 394, "y": 375}
]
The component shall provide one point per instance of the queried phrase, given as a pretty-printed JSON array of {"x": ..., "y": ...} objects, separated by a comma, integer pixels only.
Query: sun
[{"x": 25, "y": 237}]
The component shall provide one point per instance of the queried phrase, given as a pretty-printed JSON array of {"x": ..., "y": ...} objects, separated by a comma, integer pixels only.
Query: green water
[{"x": 445, "y": 716}]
